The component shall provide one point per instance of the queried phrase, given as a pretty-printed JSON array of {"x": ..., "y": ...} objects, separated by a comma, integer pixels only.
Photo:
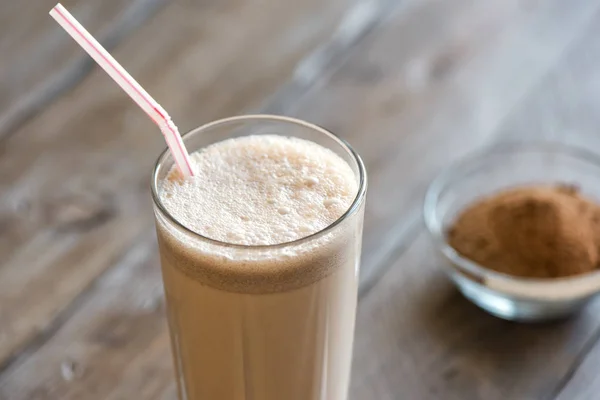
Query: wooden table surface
[{"x": 412, "y": 85}]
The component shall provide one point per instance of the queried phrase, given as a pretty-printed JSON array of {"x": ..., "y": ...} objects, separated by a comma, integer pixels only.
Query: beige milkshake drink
[{"x": 260, "y": 252}]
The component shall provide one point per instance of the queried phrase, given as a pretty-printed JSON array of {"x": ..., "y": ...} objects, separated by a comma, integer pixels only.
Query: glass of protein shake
[{"x": 260, "y": 253}]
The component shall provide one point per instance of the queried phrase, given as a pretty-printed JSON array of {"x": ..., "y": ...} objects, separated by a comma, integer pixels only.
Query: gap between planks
[
  {"x": 361, "y": 19},
  {"x": 140, "y": 247},
  {"x": 61, "y": 82}
]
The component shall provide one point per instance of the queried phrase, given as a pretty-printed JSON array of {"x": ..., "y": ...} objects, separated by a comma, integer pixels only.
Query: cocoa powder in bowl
[{"x": 535, "y": 231}]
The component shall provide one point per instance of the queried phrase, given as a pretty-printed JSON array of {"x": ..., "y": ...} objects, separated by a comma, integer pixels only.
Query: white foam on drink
[{"x": 261, "y": 190}]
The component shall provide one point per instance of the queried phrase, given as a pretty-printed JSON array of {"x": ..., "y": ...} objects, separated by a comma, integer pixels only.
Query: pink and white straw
[{"x": 128, "y": 84}]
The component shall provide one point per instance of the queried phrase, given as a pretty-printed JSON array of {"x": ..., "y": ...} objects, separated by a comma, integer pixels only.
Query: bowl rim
[{"x": 550, "y": 289}]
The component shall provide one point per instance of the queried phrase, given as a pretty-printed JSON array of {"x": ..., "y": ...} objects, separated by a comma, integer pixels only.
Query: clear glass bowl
[{"x": 494, "y": 169}]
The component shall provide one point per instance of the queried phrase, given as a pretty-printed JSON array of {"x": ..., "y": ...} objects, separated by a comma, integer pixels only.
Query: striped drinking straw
[{"x": 129, "y": 85}]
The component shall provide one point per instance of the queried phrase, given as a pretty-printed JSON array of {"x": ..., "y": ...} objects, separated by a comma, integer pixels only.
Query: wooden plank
[
  {"x": 418, "y": 338},
  {"x": 582, "y": 381},
  {"x": 75, "y": 179},
  {"x": 565, "y": 105},
  {"x": 363, "y": 17},
  {"x": 411, "y": 106},
  {"x": 40, "y": 62},
  {"x": 107, "y": 354},
  {"x": 564, "y": 109},
  {"x": 137, "y": 338}
]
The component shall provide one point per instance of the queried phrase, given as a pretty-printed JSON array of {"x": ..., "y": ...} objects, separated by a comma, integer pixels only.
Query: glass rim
[{"x": 352, "y": 209}]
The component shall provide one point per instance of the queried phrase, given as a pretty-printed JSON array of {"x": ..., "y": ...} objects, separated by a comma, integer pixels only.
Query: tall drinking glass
[{"x": 267, "y": 322}]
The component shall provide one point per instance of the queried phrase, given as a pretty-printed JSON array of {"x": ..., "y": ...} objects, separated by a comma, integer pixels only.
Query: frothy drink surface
[
  {"x": 261, "y": 323},
  {"x": 261, "y": 190}
]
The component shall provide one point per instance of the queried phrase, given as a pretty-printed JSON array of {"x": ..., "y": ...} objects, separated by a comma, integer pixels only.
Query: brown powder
[{"x": 538, "y": 232}]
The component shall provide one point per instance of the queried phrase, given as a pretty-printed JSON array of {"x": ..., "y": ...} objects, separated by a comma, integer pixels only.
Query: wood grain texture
[
  {"x": 582, "y": 381},
  {"x": 418, "y": 338},
  {"x": 75, "y": 178},
  {"x": 565, "y": 109},
  {"x": 40, "y": 61},
  {"x": 361, "y": 17},
  {"x": 429, "y": 89},
  {"x": 112, "y": 360}
]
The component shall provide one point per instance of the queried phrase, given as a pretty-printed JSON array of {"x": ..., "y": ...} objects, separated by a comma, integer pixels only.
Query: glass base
[{"x": 513, "y": 309}]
